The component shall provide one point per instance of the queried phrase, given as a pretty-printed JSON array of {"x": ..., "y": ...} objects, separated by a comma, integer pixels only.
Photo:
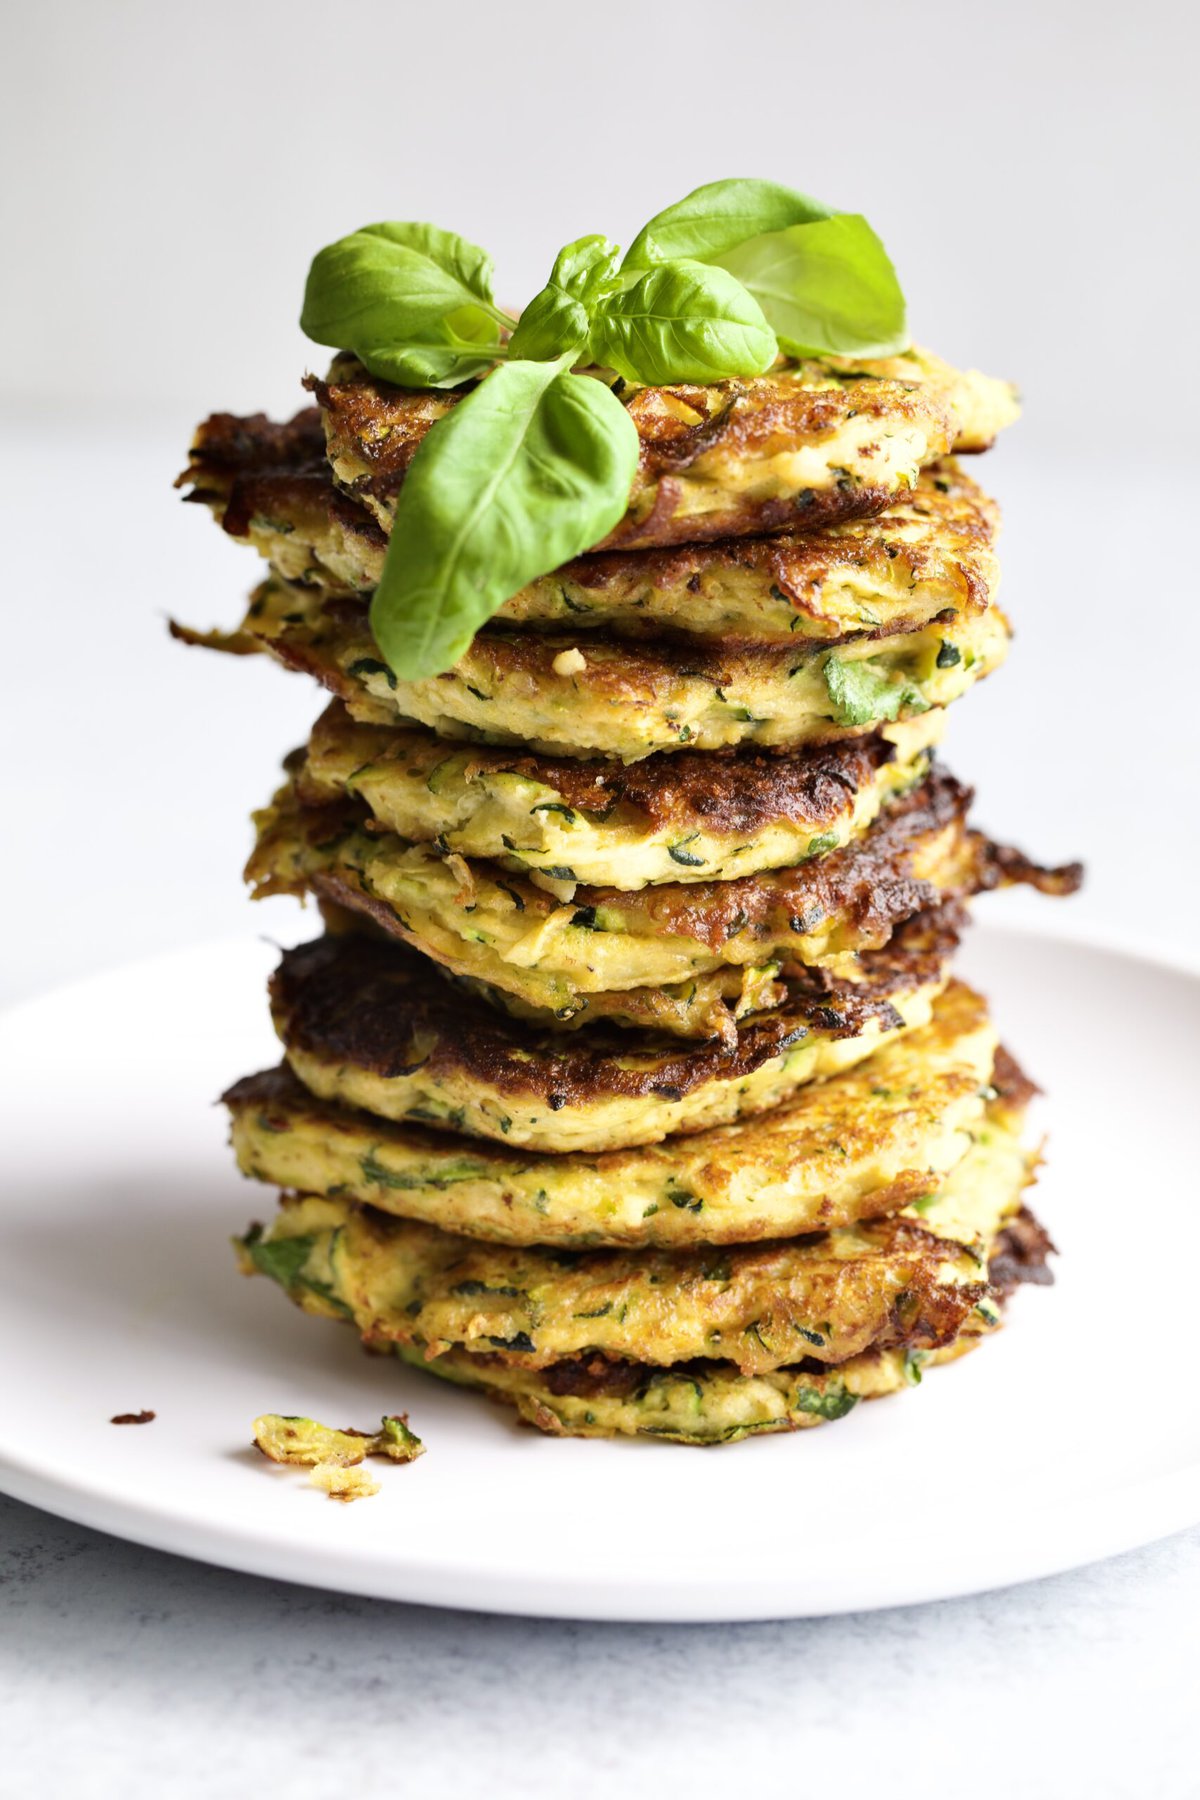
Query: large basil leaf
[
  {"x": 682, "y": 321},
  {"x": 557, "y": 319},
  {"x": 717, "y": 217},
  {"x": 824, "y": 281},
  {"x": 827, "y": 287},
  {"x": 413, "y": 302},
  {"x": 528, "y": 471}
]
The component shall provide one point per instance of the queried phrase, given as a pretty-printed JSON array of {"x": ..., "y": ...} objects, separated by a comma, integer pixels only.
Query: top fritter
[{"x": 811, "y": 444}]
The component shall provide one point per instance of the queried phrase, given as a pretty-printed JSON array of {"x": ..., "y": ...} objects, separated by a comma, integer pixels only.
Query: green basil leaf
[
  {"x": 827, "y": 287},
  {"x": 824, "y": 281},
  {"x": 552, "y": 323},
  {"x": 413, "y": 302},
  {"x": 586, "y": 267},
  {"x": 527, "y": 472},
  {"x": 717, "y": 217},
  {"x": 557, "y": 319},
  {"x": 682, "y": 321},
  {"x": 456, "y": 256}
]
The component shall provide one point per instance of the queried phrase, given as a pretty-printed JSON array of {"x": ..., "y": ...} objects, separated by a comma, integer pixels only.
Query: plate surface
[{"x": 1066, "y": 1439}]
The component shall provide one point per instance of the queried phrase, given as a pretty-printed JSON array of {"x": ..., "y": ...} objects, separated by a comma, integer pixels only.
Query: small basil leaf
[
  {"x": 586, "y": 267},
  {"x": 827, "y": 287},
  {"x": 557, "y": 319},
  {"x": 413, "y": 302},
  {"x": 717, "y": 217},
  {"x": 552, "y": 323},
  {"x": 682, "y": 321},
  {"x": 529, "y": 471}
]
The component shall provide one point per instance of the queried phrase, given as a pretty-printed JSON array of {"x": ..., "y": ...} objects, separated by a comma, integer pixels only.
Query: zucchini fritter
[
  {"x": 370, "y": 1025},
  {"x": 269, "y": 485},
  {"x": 706, "y": 1403},
  {"x": 899, "y": 1281},
  {"x": 686, "y": 958},
  {"x": 623, "y": 699},
  {"x": 687, "y": 816},
  {"x": 809, "y": 445},
  {"x": 569, "y": 1339},
  {"x": 861, "y": 1144}
]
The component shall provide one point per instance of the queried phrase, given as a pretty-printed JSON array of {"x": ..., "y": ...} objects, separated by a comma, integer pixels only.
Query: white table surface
[{"x": 129, "y": 765}]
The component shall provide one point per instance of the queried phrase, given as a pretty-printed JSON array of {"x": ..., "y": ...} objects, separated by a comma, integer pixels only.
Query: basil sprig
[
  {"x": 559, "y": 318},
  {"x": 534, "y": 466}
]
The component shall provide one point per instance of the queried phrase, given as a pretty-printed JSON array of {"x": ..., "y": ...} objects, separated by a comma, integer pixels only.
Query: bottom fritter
[{"x": 704, "y": 1346}]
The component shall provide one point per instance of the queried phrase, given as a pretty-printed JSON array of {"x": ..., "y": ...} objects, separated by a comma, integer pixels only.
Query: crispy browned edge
[
  {"x": 867, "y": 883},
  {"x": 251, "y": 464}
]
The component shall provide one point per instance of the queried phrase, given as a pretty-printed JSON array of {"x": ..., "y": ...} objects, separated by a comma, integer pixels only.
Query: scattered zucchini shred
[
  {"x": 333, "y": 1456},
  {"x": 343, "y": 1483}
]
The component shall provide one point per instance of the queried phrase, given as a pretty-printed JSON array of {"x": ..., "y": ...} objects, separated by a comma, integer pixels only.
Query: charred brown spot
[
  {"x": 1021, "y": 1254},
  {"x": 379, "y": 1007},
  {"x": 1011, "y": 1082}
]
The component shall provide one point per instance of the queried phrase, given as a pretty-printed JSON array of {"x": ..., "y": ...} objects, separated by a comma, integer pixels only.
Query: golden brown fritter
[
  {"x": 933, "y": 550},
  {"x": 371, "y": 1025},
  {"x": 622, "y": 698},
  {"x": 687, "y": 816},
  {"x": 568, "y": 953},
  {"x": 809, "y": 445},
  {"x": 701, "y": 1346},
  {"x": 859, "y": 1145}
]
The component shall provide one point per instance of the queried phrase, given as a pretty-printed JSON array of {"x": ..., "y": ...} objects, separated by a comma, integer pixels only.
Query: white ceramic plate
[{"x": 1070, "y": 1436}]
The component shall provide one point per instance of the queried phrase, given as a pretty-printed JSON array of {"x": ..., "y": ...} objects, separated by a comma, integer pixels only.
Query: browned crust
[
  {"x": 797, "y": 560},
  {"x": 728, "y": 791},
  {"x": 761, "y": 416},
  {"x": 229, "y": 445},
  {"x": 1004, "y": 866},
  {"x": 378, "y": 1007},
  {"x": 1010, "y": 1081},
  {"x": 867, "y": 881},
  {"x": 243, "y": 467},
  {"x": 867, "y": 884},
  {"x": 1020, "y": 1255}
]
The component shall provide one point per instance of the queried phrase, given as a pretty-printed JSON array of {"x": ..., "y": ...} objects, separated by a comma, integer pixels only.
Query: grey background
[
  {"x": 168, "y": 173},
  {"x": 177, "y": 167}
]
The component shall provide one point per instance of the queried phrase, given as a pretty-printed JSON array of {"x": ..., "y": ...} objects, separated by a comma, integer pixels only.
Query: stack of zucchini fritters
[{"x": 630, "y": 1082}]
